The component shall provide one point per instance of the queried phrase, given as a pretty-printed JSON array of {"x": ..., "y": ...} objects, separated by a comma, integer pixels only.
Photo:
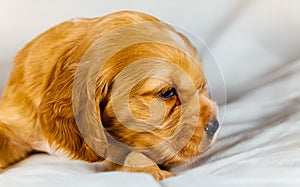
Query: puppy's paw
[
  {"x": 155, "y": 171},
  {"x": 161, "y": 174},
  {"x": 137, "y": 162}
]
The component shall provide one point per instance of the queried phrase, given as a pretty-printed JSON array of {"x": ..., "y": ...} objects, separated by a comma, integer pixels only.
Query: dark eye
[{"x": 167, "y": 94}]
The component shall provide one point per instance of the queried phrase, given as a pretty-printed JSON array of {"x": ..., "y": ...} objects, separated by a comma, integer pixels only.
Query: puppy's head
[
  {"x": 139, "y": 86},
  {"x": 158, "y": 104}
]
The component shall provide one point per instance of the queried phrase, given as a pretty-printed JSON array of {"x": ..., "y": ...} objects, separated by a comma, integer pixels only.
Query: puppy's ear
[{"x": 70, "y": 116}]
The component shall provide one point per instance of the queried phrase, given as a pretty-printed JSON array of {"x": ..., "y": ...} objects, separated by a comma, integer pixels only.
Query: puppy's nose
[{"x": 212, "y": 127}]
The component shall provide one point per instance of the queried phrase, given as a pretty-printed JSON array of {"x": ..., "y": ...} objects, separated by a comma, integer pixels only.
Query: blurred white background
[{"x": 247, "y": 37}]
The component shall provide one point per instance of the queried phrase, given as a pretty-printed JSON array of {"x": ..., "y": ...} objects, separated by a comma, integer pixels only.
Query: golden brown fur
[{"x": 37, "y": 106}]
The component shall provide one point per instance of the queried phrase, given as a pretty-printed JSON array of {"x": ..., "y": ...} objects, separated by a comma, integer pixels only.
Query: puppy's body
[{"x": 37, "y": 106}]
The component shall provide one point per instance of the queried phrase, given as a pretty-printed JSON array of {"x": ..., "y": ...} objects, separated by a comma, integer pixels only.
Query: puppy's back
[{"x": 41, "y": 60}]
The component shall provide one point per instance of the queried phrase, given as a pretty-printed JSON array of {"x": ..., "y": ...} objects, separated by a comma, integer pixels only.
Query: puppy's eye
[{"x": 167, "y": 94}]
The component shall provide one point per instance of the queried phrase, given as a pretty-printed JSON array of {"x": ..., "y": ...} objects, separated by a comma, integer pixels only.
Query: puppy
[{"x": 125, "y": 89}]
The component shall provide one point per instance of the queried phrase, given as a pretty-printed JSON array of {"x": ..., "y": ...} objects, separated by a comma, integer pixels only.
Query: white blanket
[{"x": 257, "y": 45}]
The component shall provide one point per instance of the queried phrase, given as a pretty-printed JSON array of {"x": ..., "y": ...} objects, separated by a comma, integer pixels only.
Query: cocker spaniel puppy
[{"x": 125, "y": 89}]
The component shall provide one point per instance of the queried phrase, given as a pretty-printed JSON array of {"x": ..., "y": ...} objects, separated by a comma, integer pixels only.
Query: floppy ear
[{"x": 70, "y": 116}]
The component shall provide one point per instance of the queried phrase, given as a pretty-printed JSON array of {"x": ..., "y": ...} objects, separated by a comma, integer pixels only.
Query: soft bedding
[{"x": 257, "y": 47}]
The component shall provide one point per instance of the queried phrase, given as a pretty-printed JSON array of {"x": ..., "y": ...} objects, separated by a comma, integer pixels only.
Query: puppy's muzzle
[{"x": 212, "y": 127}]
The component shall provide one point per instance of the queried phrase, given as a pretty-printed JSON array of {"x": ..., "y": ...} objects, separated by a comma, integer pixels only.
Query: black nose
[{"x": 212, "y": 127}]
